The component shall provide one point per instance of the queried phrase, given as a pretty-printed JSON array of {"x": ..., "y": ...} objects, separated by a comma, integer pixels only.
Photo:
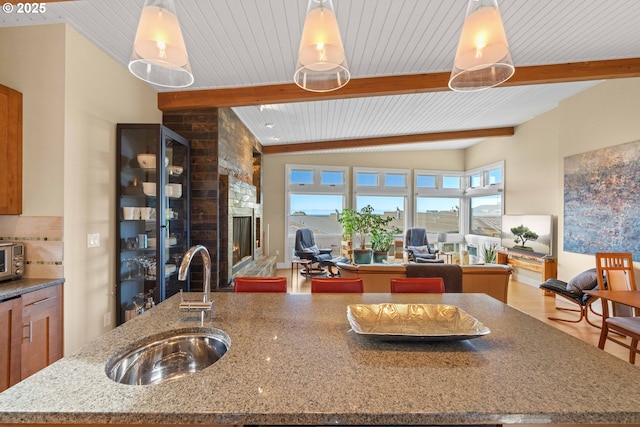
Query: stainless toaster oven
[{"x": 11, "y": 261}]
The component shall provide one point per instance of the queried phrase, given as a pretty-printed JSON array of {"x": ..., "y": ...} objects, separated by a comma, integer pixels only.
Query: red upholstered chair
[
  {"x": 260, "y": 284},
  {"x": 432, "y": 285},
  {"x": 337, "y": 284}
]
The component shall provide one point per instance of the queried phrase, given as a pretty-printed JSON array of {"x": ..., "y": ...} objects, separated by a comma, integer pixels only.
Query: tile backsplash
[{"x": 43, "y": 244}]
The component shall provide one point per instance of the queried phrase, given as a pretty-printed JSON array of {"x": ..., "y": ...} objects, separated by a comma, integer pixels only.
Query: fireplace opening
[{"x": 242, "y": 244}]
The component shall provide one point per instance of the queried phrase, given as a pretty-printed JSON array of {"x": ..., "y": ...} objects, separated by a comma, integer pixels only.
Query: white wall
[{"x": 99, "y": 94}]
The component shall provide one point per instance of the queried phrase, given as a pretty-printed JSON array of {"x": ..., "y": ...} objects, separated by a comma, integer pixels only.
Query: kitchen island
[{"x": 294, "y": 360}]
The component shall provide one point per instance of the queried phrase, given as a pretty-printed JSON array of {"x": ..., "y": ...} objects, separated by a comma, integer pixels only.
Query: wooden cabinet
[
  {"x": 153, "y": 211},
  {"x": 30, "y": 334},
  {"x": 547, "y": 267},
  {"x": 10, "y": 151},
  {"x": 10, "y": 339},
  {"x": 41, "y": 329}
]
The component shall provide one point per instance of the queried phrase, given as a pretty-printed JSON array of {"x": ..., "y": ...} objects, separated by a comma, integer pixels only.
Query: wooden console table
[{"x": 547, "y": 267}]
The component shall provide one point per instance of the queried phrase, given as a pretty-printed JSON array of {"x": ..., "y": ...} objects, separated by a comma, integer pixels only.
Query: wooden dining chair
[
  {"x": 431, "y": 285},
  {"x": 260, "y": 284},
  {"x": 615, "y": 273},
  {"x": 337, "y": 284}
]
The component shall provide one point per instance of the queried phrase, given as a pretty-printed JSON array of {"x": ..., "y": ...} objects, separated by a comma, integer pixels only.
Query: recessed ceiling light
[
  {"x": 274, "y": 138},
  {"x": 269, "y": 125}
]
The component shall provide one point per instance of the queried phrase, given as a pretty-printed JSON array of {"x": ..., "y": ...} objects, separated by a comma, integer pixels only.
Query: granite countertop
[
  {"x": 15, "y": 288},
  {"x": 294, "y": 360}
]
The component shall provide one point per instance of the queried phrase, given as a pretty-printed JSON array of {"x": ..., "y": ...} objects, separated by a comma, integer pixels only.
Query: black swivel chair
[
  {"x": 306, "y": 248},
  {"x": 417, "y": 246}
]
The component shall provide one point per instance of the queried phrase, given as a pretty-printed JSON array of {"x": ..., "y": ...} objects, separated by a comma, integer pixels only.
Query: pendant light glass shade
[
  {"x": 482, "y": 59},
  {"x": 159, "y": 55},
  {"x": 322, "y": 65}
]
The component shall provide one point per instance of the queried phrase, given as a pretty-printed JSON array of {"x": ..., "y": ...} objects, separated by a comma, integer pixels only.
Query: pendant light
[
  {"x": 159, "y": 55},
  {"x": 482, "y": 59},
  {"x": 322, "y": 65}
]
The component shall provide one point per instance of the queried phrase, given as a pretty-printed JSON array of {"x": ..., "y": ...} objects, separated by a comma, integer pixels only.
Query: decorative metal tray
[{"x": 425, "y": 322}]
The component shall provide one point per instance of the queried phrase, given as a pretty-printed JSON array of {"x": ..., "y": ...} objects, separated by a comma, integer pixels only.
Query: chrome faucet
[{"x": 205, "y": 304}]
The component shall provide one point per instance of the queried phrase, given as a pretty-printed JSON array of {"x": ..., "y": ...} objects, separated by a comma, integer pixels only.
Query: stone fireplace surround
[{"x": 225, "y": 171}]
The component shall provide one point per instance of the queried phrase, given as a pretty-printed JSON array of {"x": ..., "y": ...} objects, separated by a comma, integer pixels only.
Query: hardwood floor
[{"x": 526, "y": 298}]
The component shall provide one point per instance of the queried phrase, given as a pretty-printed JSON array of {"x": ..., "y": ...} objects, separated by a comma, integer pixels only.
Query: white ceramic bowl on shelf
[
  {"x": 175, "y": 190},
  {"x": 149, "y": 188},
  {"x": 147, "y": 161},
  {"x": 175, "y": 170}
]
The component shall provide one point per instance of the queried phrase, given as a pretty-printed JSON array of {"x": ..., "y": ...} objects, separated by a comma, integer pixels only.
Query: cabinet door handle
[
  {"x": 30, "y": 330},
  {"x": 43, "y": 300}
]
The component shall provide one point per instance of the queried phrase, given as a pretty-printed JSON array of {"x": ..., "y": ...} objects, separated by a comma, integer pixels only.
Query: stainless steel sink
[{"x": 168, "y": 356}]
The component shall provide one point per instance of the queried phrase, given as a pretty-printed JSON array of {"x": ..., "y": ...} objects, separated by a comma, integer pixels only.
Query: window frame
[
  {"x": 442, "y": 193},
  {"x": 315, "y": 188},
  {"x": 381, "y": 189},
  {"x": 485, "y": 189}
]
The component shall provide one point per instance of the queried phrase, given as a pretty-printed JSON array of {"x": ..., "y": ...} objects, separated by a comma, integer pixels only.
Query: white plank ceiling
[{"x": 236, "y": 43}]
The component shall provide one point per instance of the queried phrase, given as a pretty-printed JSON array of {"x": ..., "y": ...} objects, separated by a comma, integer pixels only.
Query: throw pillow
[
  {"x": 584, "y": 281},
  {"x": 422, "y": 250}
]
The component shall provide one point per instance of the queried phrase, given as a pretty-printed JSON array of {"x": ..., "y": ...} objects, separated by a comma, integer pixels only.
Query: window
[
  {"x": 494, "y": 176},
  {"x": 426, "y": 181},
  {"x": 485, "y": 215},
  {"x": 315, "y": 196},
  {"x": 450, "y": 182},
  {"x": 384, "y": 180},
  {"x": 300, "y": 177},
  {"x": 315, "y": 211},
  {"x": 385, "y": 206},
  {"x": 332, "y": 178},
  {"x": 447, "y": 203},
  {"x": 475, "y": 180},
  {"x": 366, "y": 179},
  {"x": 395, "y": 180},
  {"x": 388, "y": 197},
  {"x": 437, "y": 205},
  {"x": 438, "y": 214},
  {"x": 485, "y": 205}
]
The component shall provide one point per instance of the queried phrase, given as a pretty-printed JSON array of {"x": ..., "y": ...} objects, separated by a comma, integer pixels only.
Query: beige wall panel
[
  {"x": 32, "y": 62},
  {"x": 602, "y": 116},
  {"x": 99, "y": 94}
]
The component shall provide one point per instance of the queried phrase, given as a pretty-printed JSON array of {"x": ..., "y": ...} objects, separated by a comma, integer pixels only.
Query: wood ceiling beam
[
  {"x": 386, "y": 140},
  {"x": 391, "y": 85}
]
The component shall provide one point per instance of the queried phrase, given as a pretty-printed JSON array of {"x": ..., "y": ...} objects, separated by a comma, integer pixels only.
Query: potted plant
[
  {"x": 381, "y": 240},
  {"x": 347, "y": 219},
  {"x": 361, "y": 223},
  {"x": 489, "y": 253}
]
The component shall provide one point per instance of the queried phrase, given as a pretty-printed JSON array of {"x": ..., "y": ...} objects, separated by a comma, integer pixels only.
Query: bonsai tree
[{"x": 523, "y": 235}]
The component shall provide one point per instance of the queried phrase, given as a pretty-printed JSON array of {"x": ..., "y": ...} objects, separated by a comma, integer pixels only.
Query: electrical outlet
[
  {"x": 106, "y": 319},
  {"x": 93, "y": 240}
]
